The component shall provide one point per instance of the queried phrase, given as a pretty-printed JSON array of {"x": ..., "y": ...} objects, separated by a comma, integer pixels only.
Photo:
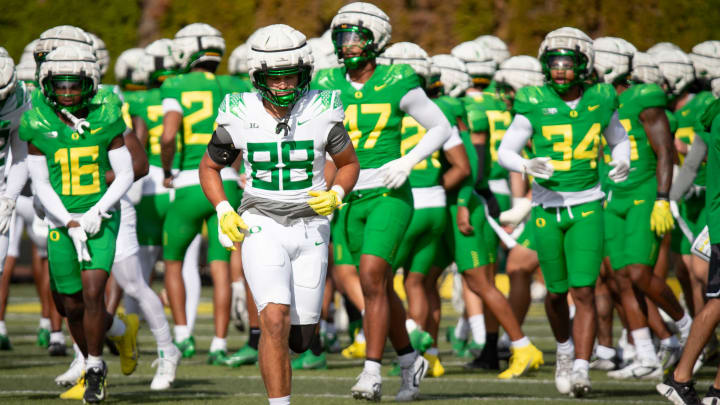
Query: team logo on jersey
[
  {"x": 593, "y": 107},
  {"x": 54, "y": 236},
  {"x": 254, "y": 125},
  {"x": 573, "y": 114},
  {"x": 550, "y": 111},
  {"x": 358, "y": 94},
  {"x": 254, "y": 229},
  {"x": 586, "y": 213},
  {"x": 540, "y": 222},
  {"x": 75, "y": 136},
  {"x": 94, "y": 131},
  {"x": 380, "y": 87}
]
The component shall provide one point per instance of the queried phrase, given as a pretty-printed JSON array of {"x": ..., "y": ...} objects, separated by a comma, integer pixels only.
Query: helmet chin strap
[{"x": 79, "y": 124}]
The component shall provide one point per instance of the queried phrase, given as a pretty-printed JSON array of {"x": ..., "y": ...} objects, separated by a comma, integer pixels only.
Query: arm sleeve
[
  {"x": 37, "y": 165},
  {"x": 688, "y": 171},
  {"x": 18, "y": 175},
  {"x": 337, "y": 140},
  {"x": 170, "y": 104},
  {"x": 121, "y": 163},
  {"x": 513, "y": 142},
  {"x": 416, "y": 103},
  {"x": 617, "y": 139}
]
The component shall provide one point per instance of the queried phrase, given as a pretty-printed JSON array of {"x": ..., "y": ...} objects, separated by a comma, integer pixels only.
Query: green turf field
[{"x": 27, "y": 372}]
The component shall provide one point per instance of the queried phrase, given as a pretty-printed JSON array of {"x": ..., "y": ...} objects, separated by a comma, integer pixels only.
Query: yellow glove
[
  {"x": 230, "y": 225},
  {"x": 661, "y": 219},
  {"x": 325, "y": 202}
]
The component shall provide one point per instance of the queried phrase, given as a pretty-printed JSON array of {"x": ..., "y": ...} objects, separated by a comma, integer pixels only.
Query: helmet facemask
[
  {"x": 564, "y": 59},
  {"x": 61, "y": 87},
  {"x": 351, "y": 36},
  {"x": 284, "y": 97}
]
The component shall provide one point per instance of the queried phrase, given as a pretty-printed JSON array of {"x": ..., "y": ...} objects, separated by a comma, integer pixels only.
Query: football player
[
  {"x": 283, "y": 133},
  {"x": 564, "y": 119}
]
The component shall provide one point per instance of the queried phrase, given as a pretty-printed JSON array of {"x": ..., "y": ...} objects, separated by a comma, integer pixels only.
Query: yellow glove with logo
[
  {"x": 325, "y": 202},
  {"x": 230, "y": 225},
  {"x": 661, "y": 219}
]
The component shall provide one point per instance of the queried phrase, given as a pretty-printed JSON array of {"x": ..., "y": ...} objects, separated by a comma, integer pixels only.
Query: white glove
[
  {"x": 520, "y": 209},
  {"x": 620, "y": 171},
  {"x": 79, "y": 239},
  {"x": 396, "y": 172},
  {"x": 539, "y": 167},
  {"x": 91, "y": 220},
  {"x": 7, "y": 209},
  {"x": 225, "y": 240}
]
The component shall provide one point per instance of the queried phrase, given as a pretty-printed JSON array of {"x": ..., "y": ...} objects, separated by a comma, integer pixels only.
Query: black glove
[{"x": 492, "y": 203}]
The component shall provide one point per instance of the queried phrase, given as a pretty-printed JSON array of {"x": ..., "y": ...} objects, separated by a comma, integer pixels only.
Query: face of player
[
  {"x": 561, "y": 69},
  {"x": 281, "y": 85},
  {"x": 352, "y": 44},
  {"x": 68, "y": 92}
]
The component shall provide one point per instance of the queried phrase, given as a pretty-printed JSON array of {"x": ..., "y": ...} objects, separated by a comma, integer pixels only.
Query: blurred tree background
[{"x": 436, "y": 25}]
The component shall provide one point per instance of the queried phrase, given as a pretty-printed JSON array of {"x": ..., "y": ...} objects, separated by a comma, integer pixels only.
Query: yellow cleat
[
  {"x": 435, "y": 369},
  {"x": 355, "y": 351},
  {"x": 77, "y": 391},
  {"x": 399, "y": 286},
  {"x": 522, "y": 360},
  {"x": 127, "y": 344}
]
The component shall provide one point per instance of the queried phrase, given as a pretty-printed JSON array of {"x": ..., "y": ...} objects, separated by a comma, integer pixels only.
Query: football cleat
[
  {"x": 411, "y": 377},
  {"x": 712, "y": 397},
  {"x": 73, "y": 373},
  {"x": 76, "y": 392},
  {"x": 368, "y": 386},
  {"x": 458, "y": 345},
  {"x": 678, "y": 393},
  {"x": 580, "y": 383},
  {"x": 639, "y": 368},
  {"x": 5, "y": 343},
  {"x": 166, "y": 364},
  {"x": 95, "y": 384},
  {"x": 187, "y": 347},
  {"x": 603, "y": 364},
  {"x": 246, "y": 355},
  {"x": 563, "y": 370},
  {"x": 435, "y": 368},
  {"x": 420, "y": 340},
  {"x": 43, "y": 337},
  {"x": 355, "y": 351},
  {"x": 308, "y": 361},
  {"x": 218, "y": 358},
  {"x": 127, "y": 343},
  {"x": 669, "y": 356},
  {"x": 57, "y": 349},
  {"x": 522, "y": 359}
]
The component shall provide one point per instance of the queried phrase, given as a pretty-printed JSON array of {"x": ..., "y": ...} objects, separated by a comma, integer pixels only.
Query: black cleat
[
  {"x": 95, "y": 384},
  {"x": 712, "y": 397},
  {"x": 487, "y": 360},
  {"x": 678, "y": 393},
  {"x": 112, "y": 347},
  {"x": 57, "y": 349}
]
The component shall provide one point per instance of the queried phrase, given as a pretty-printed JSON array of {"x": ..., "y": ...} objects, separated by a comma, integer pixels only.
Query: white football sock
[
  {"x": 477, "y": 325},
  {"x": 191, "y": 278}
]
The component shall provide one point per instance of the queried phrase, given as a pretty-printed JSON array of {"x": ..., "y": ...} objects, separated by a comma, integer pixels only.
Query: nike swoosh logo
[
  {"x": 303, "y": 122},
  {"x": 584, "y": 214},
  {"x": 638, "y": 202},
  {"x": 593, "y": 107},
  {"x": 318, "y": 243},
  {"x": 380, "y": 87},
  {"x": 93, "y": 131},
  {"x": 51, "y": 134}
]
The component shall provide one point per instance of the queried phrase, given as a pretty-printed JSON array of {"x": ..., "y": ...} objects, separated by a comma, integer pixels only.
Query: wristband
[
  {"x": 663, "y": 196},
  {"x": 339, "y": 190},
  {"x": 167, "y": 173}
]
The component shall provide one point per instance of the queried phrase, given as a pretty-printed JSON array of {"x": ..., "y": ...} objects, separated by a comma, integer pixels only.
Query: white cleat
[
  {"x": 563, "y": 369},
  {"x": 368, "y": 386},
  {"x": 411, "y": 377},
  {"x": 669, "y": 356},
  {"x": 166, "y": 365},
  {"x": 646, "y": 369},
  {"x": 73, "y": 374},
  {"x": 580, "y": 383},
  {"x": 603, "y": 365}
]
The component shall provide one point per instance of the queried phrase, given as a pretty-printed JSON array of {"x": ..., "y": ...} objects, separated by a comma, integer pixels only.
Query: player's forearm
[
  {"x": 518, "y": 185},
  {"x": 171, "y": 125},
  {"x": 459, "y": 169},
  {"x": 121, "y": 163},
  {"x": 210, "y": 181},
  {"x": 657, "y": 128},
  {"x": 688, "y": 171},
  {"x": 37, "y": 166},
  {"x": 140, "y": 164}
]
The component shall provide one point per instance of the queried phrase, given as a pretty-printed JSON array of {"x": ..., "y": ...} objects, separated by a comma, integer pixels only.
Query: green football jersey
[
  {"x": 76, "y": 163},
  {"x": 687, "y": 117},
  {"x": 570, "y": 137},
  {"x": 373, "y": 116},
  {"x": 427, "y": 173},
  {"x": 199, "y": 94},
  {"x": 643, "y": 162},
  {"x": 147, "y": 104},
  {"x": 235, "y": 84},
  {"x": 710, "y": 121},
  {"x": 487, "y": 113}
]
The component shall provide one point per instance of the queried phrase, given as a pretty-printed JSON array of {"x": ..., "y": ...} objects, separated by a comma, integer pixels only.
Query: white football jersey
[
  {"x": 282, "y": 163},
  {"x": 10, "y": 114}
]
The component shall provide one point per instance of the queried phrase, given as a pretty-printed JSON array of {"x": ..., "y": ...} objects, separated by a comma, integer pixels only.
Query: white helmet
[
  {"x": 715, "y": 86},
  {"x": 157, "y": 63},
  {"x": 410, "y": 54},
  {"x": 453, "y": 74},
  {"x": 705, "y": 57},
  {"x": 645, "y": 70},
  {"x": 662, "y": 46},
  {"x": 520, "y": 71},
  {"x": 572, "y": 39},
  {"x": 62, "y": 35},
  {"x": 613, "y": 58},
  {"x": 101, "y": 53},
  {"x": 361, "y": 19},
  {"x": 479, "y": 62},
  {"x": 26, "y": 70},
  {"x": 8, "y": 79},
  {"x": 126, "y": 64},
  {"x": 197, "y": 43},
  {"x": 70, "y": 61},
  {"x": 677, "y": 69},
  {"x": 323, "y": 51},
  {"x": 237, "y": 62},
  {"x": 497, "y": 47},
  {"x": 28, "y": 51},
  {"x": 282, "y": 49}
]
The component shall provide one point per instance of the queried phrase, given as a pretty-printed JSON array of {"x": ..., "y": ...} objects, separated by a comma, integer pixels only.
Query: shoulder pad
[
  {"x": 326, "y": 78},
  {"x": 400, "y": 73},
  {"x": 527, "y": 99},
  {"x": 712, "y": 111},
  {"x": 647, "y": 95}
]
